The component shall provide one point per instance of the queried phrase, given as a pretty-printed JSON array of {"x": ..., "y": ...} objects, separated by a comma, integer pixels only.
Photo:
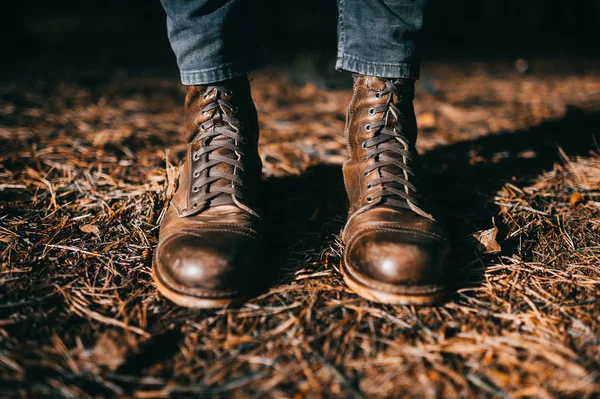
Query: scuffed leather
[
  {"x": 213, "y": 252},
  {"x": 396, "y": 247},
  {"x": 387, "y": 248},
  {"x": 195, "y": 101},
  {"x": 364, "y": 98}
]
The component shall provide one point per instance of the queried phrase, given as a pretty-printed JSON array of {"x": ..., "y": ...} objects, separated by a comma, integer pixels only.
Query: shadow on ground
[
  {"x": 303, "y": 212},
  {"x": 80, "y": 314}
]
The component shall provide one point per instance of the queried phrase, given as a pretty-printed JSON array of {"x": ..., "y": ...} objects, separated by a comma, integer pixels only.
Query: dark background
[{"x": 119, "y": 33}]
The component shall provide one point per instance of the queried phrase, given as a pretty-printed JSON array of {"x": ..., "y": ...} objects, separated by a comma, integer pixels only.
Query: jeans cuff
[
  {"x": 226, "y": 71},
  {"x": 379, "y": 69}
]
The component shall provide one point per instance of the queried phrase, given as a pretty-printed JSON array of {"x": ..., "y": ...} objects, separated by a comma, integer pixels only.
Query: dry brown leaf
[
  {"x": 576, "y": 198},
  {"x": 487, "y": 238}
]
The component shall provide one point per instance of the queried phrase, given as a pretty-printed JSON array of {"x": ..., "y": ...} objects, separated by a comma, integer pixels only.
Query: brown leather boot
[
  {"x": 395, "y": 250},
  {"x": 210, "y": 237}
]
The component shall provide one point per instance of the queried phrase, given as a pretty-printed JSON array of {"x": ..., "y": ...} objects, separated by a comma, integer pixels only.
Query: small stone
[{"x": 89, "y": 228}]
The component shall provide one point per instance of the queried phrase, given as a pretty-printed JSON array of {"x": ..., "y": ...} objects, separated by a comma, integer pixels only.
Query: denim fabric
[
  {"x": 215, "y": 40},
  {"x": 379, "y": 37}
]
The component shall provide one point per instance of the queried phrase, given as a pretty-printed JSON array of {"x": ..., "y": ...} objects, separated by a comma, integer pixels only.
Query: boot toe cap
[
  {"x": 210, "y": 260},
  {"x": 397, "y": 257}
]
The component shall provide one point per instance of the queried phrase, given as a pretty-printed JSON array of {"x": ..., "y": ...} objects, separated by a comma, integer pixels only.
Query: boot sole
[
  {"x": 435, "y": 296},
  {"x": 189, "y": 300}
]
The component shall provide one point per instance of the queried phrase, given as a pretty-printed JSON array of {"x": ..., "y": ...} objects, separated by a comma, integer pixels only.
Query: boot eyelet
[
  {"x": 195, "y": 189},
  {"x": 196, "y": 174},
  {"x": 368, "y": 127},
  {"x": 369, "y": 199},
  {"x": 228, "y": 93},
  {"x": 378, "y": 95},
  {"x": 364, "y": 145},
  {"x": 195, "y": 157},
  {"x": 367, "y": 173},
  {"x": 195, "y": 205},
  {"x": 206, "y": 95},
  {"x": 371, "y": 111},
  {"x": 369, "y": 186}
]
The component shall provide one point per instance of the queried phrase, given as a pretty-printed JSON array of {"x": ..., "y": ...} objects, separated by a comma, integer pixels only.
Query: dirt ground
[{"x": 88, "y": 164}]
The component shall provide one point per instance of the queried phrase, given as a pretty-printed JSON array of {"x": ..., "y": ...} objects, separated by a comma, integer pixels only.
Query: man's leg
[
  {"x": 380, "y": 38},
  {"x": 214, "y": 40},
  {"x": 395, "y": 250},
  {"x": 210, "y": 238}
]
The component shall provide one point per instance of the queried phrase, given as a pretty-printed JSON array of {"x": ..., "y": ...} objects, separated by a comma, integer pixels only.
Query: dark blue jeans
[{"x": 215, "y": 40}]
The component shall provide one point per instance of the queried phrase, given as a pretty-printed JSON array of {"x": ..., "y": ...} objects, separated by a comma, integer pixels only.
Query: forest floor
[{"x": 89, "y": 162}]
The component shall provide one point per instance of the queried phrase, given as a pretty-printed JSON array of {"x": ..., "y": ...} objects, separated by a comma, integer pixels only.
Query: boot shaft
[
  {"x": 379, "y": 109},
  {"x": 240, "y": 95},
  {"x": 367, "y": 96},
  {"x": 221, "y": 166}
]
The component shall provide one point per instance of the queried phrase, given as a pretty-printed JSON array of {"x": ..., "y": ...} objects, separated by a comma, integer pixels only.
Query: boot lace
[
  {"x": 220, "y": 131},
  {"x": 390, "y": 148}
]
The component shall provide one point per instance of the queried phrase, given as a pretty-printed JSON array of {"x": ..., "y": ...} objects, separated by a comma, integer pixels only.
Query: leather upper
[
  {"x": 396, "y": 247},
  {"x": 387, "y": 246},
  {"x": 186, "y": 199},
  {"x": 210, "y": 237}
]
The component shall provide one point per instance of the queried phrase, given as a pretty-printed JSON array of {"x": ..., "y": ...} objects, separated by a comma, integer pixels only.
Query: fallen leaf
[
  {"x": 576, "y": 198},
  {"x": 487, "y": 239}
]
